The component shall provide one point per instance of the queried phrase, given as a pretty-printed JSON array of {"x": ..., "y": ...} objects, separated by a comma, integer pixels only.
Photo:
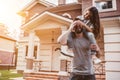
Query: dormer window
[{"x": 105, "y": 5}]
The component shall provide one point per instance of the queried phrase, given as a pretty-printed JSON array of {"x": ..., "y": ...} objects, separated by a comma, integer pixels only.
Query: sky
[
  {"x": 8, "y": 12},
  {"x": 9, "y": 9}
]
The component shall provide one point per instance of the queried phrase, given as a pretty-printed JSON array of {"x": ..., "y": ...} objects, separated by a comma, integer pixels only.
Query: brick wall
[{"x": 85, "y": 4}]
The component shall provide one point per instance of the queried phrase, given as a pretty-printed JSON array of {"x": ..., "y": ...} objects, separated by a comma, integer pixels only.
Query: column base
[
  {"x": 27, "y": 73},
  {"x": 29, "y": 65},
  {"x": 63, "y": 73}
]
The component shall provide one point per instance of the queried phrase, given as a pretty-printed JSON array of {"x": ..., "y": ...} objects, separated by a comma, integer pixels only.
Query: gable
[
  {"x": 45, "y": 18},
  {"x": 34, "y": 2},
  {"x": 38, "y": 8}
]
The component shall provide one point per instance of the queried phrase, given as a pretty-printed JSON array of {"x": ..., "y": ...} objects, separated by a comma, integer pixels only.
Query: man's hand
[
  {"x": 93, "y": 47},
  {"x": 71, "y": 27}
]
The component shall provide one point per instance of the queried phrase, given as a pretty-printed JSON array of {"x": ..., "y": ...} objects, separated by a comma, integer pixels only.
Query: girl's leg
[
  {"x": 92, "y": 40},
  {"x": 91, "y": 37},
  {"x": 94, "y": 47}
]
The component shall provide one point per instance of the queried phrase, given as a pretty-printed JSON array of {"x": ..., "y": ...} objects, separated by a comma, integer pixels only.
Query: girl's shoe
[
  {"x": 68, "y": 53},
  {"x": 97, "y": 61}
]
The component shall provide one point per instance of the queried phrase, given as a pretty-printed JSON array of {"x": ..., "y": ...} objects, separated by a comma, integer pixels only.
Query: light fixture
[{"x": 52, "y": 36}]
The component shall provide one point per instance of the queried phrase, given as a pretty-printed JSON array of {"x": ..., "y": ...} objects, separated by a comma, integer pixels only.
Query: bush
[{"x": 7, "y": 74}]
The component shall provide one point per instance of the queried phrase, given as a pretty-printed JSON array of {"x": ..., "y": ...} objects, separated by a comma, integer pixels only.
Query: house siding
[{"x": 112, "y": 47}]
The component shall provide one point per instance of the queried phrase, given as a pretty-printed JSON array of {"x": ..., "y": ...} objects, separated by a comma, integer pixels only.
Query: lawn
[{"x": 7, "y": 74}]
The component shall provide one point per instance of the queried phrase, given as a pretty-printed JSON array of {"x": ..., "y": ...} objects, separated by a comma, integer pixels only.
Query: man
[{"x": 75, "y": 39}]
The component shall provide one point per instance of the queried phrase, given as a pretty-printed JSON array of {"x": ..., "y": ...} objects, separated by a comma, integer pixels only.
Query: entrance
[{"x": 55, "y": 59}]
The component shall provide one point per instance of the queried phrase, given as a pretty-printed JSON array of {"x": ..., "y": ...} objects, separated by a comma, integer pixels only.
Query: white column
[
  {"x": 30, "y": 57},
  {"x": 38, "y": 51},
  {"x": 37, "y": 62},
  {"x": 63, "y": 59},
  {"x": 31, "y": 45},
  {"x": 64, "y": 29}
]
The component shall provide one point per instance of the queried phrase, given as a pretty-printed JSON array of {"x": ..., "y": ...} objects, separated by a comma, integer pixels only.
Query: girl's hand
[
  {"x": 71, "y": 27},
  {"x": 74, "y": 23}
]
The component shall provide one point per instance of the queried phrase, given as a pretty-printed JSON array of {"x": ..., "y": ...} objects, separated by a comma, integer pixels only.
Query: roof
[
  {"x": 70, "y": 6},
  {"x": 51, "y": 12},
  {"x": 34, "y": 2},
  {"x": 7, "y": 37}
]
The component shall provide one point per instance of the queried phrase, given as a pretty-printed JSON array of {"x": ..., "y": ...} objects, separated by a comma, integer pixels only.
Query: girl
[{"x": 92, "y": 24}]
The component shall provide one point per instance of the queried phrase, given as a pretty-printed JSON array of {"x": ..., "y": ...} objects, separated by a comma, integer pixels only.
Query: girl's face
[{"x": 87, "y": 15}]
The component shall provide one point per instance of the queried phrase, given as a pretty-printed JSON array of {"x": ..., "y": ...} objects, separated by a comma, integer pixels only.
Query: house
[
  {"x": 43, "y": 22},
  {"x": 110, "y": 18},
  {"x": 7, "y": 49}
]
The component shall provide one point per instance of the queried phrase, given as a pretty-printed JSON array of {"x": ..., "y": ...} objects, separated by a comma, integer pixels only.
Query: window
[
  {"x": 105, "y": 5},
  {"x": 35, "y": 52},
  {"x": 26, "y": 50}
]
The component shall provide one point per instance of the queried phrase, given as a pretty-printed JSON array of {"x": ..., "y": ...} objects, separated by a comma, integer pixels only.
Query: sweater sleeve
[{"x": 69, "y": 41}]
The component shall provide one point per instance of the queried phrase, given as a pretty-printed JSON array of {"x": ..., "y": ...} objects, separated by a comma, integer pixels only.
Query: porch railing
[
  {"x": 99, "y": 70},
  {"x": 37, "y": 65}
]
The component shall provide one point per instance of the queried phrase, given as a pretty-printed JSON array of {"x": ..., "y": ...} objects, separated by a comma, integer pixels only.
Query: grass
[{"x": 7, "y": 74}]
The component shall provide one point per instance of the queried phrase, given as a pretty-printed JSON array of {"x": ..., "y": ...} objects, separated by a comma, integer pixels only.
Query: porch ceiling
[
  {"x": 46, "y": 32},
  {"x": 48, "y": 35},
  {"x": 44, "y": 17}
]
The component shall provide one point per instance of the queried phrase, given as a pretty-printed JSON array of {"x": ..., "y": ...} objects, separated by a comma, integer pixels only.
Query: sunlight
[{"x": 8, "y": 14}]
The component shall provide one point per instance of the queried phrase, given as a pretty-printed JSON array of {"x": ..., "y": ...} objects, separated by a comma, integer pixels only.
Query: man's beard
[{"x": 79, "y": 30}]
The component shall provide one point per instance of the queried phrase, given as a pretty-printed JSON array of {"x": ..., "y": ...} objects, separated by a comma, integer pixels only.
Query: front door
[{"x": 55, "y": 58}]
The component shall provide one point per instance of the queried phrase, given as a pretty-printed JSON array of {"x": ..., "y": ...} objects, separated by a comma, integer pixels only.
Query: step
[
  {"x": 44, "y": 76},
  {"x": 35, "y": 78}
]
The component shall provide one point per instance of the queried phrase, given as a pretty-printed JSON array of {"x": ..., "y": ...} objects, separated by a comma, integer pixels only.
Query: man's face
[{"x": 78, "y": 29}]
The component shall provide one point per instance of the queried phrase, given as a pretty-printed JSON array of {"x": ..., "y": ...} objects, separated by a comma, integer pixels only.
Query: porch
[{"x": 39, "y": 74}]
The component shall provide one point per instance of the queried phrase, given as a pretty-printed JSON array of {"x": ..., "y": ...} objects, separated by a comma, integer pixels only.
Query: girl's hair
[{"x": 95, "y": 20}]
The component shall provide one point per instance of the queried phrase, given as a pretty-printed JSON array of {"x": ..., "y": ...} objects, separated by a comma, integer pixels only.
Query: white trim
[
  {"x": 30, "y": 5},
  {"x": 12, "y": 64},
  {"x": 111, "y": 18},
  {"x": 36, "y": 14},
  {"x": 106, "y": 10},
  {"x": 28, "y": 71},
  {"x": 46, "y": 3},
  {"x": 7, "y": 50},
  {"x": 34, "y": 2},
  {"x": 63, "y": 73}
]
